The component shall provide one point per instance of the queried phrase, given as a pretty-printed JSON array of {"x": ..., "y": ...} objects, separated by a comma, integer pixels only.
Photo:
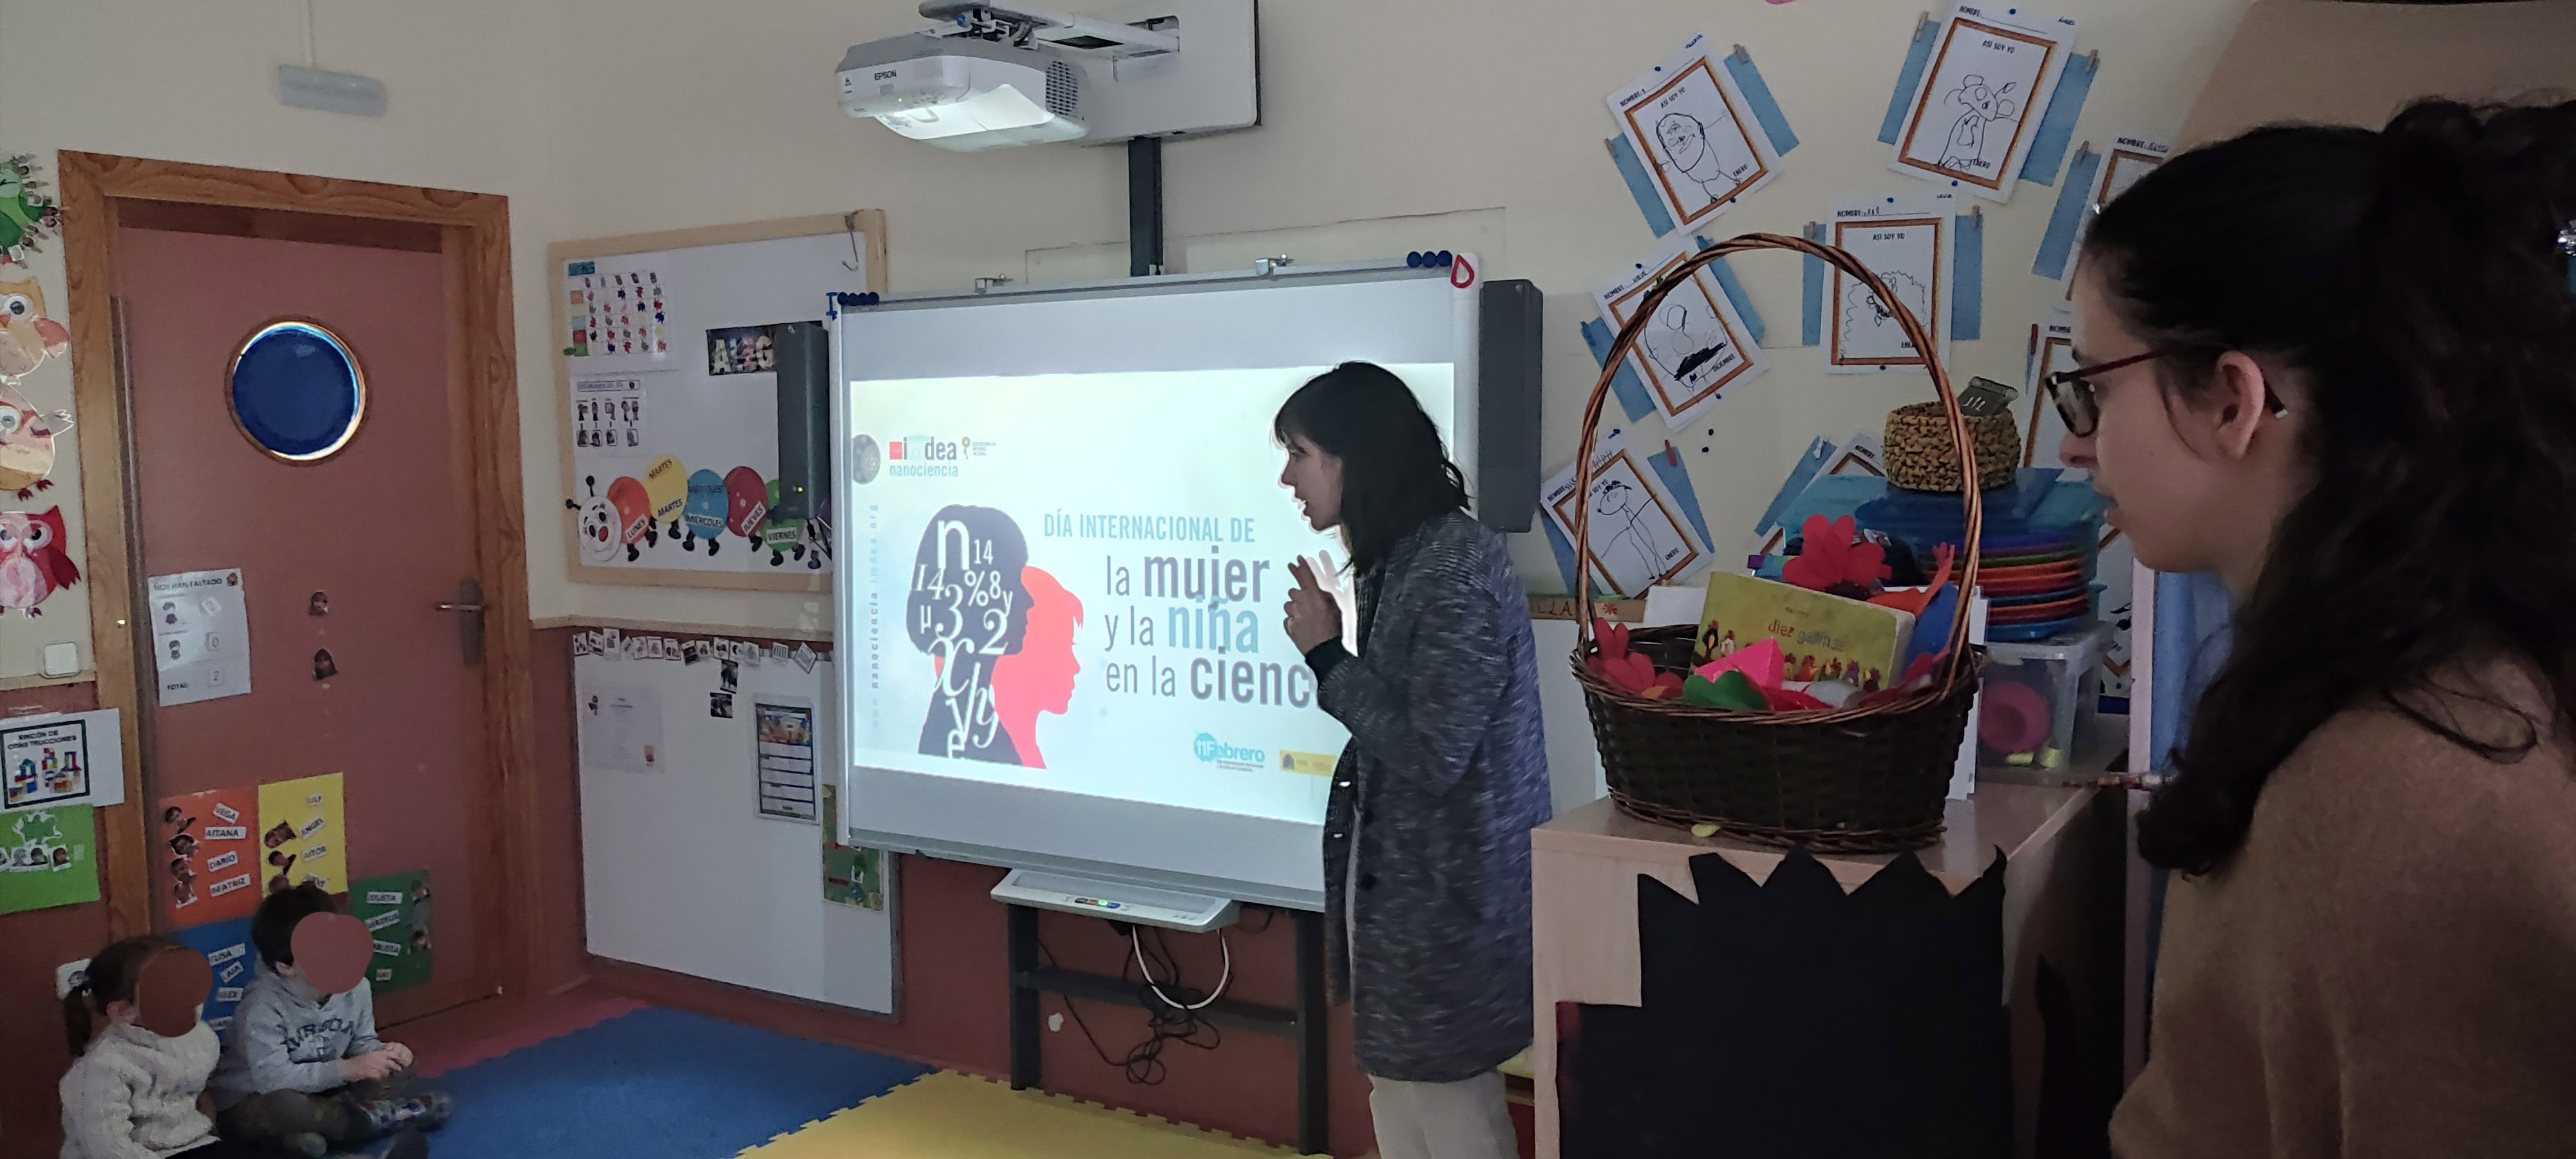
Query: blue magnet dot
[
  {"x": 1413, "y": 259},
  {"x": 1446, "y": 258}
]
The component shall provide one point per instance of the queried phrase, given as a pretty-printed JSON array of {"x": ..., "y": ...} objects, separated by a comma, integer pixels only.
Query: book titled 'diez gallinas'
[{"x": 1822, "y": 637}]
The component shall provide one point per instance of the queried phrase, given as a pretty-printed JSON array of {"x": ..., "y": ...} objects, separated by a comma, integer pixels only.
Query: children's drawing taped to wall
[
  {"x": 1638, "y": 535},
  {"x": 1692, "y": 124},
  {"x": 1695, "y": 344},
  {"x": 2132, "y": 157},
  {"x": 1980, "y": 100},
  {"x": 1907, "y": 242}
]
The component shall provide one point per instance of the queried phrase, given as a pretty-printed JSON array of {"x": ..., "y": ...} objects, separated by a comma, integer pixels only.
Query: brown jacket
[{"x": 2387, "y": 967}]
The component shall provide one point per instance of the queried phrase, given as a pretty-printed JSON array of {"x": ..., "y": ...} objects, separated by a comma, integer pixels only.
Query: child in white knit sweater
[{"x": 134, "y": 1093}]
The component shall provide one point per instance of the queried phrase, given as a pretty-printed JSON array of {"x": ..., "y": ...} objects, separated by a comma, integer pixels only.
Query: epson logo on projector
[{"x": 1217, "y": 752}]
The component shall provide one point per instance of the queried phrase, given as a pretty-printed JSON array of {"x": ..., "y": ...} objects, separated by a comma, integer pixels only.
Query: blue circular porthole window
[{"x": 297, "y": 391}]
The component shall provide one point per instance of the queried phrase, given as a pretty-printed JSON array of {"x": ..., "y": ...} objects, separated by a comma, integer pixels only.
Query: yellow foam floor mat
[{"x": 947, "y": 1115}]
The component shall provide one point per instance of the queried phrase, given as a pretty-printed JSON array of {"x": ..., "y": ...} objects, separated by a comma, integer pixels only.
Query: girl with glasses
[{"x": 2337, "y": 367}]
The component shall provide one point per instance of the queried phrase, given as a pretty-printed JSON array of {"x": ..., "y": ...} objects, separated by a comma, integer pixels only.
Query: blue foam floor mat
[{"x": 655, "y": 1083}]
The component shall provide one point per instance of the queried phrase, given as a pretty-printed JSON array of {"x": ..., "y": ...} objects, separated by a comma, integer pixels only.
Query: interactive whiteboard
[{"x": 1063, "y": 558}]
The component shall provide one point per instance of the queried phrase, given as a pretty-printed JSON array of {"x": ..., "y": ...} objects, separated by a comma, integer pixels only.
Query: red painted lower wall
[
  {"x": 32, "y": 1052},
  {"x": 950, "y": 980}
]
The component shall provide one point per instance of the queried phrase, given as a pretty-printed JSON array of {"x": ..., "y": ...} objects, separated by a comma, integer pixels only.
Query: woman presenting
[
  {"x": 1426, "y": 836},
  {"x": 2338, "y": 368}
]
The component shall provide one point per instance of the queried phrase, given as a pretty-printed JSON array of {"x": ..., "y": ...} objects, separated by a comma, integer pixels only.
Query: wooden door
[{"x": 351, "y": 554}]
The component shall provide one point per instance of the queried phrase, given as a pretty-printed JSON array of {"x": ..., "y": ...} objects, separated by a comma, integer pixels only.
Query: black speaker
[
  {"x": 1511, "y": 323},
  {"x": 804, "y": 352}
]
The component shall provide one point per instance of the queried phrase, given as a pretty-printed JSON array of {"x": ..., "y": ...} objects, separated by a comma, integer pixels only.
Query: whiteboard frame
[
  {"x": 867, "y": 224},
  {"x": 1224, "y": 834}
]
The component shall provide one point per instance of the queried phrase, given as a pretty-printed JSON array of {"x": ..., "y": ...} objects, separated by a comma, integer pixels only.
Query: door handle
[{"x": 469, "y": 621}]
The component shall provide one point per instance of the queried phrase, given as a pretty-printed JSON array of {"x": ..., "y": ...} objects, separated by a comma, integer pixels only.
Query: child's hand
[
  {"x": 368, "y": 1067},
  {"x": 400, "y": 1054}
]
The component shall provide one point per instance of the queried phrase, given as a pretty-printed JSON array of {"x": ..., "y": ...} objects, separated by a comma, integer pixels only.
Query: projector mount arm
[{"x": 1018, "y": 26}]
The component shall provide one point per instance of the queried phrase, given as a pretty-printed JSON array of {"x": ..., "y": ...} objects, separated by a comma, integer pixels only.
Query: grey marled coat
[{"x": 1447, "y": 773}]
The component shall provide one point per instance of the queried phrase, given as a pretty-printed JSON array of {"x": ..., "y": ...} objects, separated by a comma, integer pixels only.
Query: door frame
[{"x": 474, "y": 233}]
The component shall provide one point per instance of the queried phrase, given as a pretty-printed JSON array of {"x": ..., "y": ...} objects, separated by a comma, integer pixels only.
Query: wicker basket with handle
[{"x": 1864, "y": 778}]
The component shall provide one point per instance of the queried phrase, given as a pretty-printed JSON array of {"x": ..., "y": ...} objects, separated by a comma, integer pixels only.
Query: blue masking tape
[
  {"x": 1917, "y": 56},
  {"x": 2058, "y": 244},
  {"x": 1810, "y": 465},
  {"x": 1811, "y": 293},
  {"x": 1640, "y": 186},
  {"x": 1968, "y": 279},
  {"x": 1734, "y": 287},
  {"x": 1633, "y": 398},
  {"x": 1757, "y": 93},
  {"x": 2057, "y": 125}
]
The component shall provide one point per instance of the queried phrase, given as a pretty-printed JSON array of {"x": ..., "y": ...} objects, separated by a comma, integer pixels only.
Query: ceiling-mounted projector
[{"x": 988, "y": 75}]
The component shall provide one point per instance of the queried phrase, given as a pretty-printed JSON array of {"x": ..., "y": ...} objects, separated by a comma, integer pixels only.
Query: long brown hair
[
  {"x": 1395, "y": 473},
  {"x": 2414, "y": 277},
  {"x": 110, "y": 977}
]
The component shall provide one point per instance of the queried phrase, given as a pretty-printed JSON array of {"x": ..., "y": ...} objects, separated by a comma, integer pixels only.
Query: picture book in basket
[{"x": 1821, "y": 637}]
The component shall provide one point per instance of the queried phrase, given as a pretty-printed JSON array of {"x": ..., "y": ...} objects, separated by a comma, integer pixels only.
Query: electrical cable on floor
[
  {"x": 1157, "y": 988},
  {"x": 1169, "y": 1021}
]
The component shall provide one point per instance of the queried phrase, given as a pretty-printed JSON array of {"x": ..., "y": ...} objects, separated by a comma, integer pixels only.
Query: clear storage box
[{"x": 2038, "y": 697}]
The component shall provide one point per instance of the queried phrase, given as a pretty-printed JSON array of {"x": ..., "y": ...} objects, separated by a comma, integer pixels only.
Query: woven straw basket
[{"x": 1867, "y": 778}]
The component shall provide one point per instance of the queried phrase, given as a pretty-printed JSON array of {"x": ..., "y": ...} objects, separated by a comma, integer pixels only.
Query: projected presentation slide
[{"x": 1074, "y": 582}]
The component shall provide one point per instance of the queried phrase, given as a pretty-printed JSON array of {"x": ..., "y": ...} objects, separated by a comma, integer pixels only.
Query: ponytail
[
  {"x": 110, "y": 977},
  {"x": 2412, "y": 280}
]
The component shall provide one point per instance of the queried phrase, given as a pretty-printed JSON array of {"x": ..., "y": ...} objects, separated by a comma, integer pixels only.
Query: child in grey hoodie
[
  {"x": 303, "y": 1069},
  {"x": 131, "y": 1093}
]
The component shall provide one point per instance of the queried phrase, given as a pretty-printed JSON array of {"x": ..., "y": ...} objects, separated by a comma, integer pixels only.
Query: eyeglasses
[{"x": 2079, "y": 402}]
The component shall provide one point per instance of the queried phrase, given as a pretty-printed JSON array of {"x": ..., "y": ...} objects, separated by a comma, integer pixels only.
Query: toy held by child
[
  {"x": 304, "y": 1072},
  {"x": 135, "y": 1089}
]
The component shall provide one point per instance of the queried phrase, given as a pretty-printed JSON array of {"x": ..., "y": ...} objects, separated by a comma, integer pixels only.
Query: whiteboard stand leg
[
  {"x": 1314, "y": 1083},
  {"x": 1024, "y": 996},
  {"x": 1305, "y": 1024}
]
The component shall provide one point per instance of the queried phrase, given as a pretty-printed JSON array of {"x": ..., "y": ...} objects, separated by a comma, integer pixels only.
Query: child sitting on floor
[
  {"x": 304, "y": 1070},
  {"x": 134, "y": 1093}
]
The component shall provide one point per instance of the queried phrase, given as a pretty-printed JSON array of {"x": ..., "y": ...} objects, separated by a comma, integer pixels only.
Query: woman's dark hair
[
  {"x": 1395, "y": 473},
  {"x": 272, "y": 926},
  {"x": 110, "y": 977},
  {"x": 2412, "y": 279}
]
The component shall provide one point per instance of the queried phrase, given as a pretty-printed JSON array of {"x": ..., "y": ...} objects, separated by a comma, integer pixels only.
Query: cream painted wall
[
  {"x": 602, "y": 117},
  {"x": 194, "y": 80},
  {"x": 1371, "y": 110}
]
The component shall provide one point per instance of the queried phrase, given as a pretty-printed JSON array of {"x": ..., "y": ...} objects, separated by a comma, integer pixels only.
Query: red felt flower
[
  {"x": 1629, "y": 672},
  {"x": 1833, "y": 562}
]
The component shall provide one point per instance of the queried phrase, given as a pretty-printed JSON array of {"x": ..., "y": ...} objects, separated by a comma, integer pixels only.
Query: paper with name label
[
  {"x": 303, "y": 834},
  {"x": 200, "y": 635},
  {"x": 207, "y": 855},
  {"x": 1908, "y": 243},
  {"x": 1639, "y": 534},
  {"x": 1978, "y": 106}
]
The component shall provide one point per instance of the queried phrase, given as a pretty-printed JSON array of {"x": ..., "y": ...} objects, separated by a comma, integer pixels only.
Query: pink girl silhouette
[{"x": 1039, "y": 676}]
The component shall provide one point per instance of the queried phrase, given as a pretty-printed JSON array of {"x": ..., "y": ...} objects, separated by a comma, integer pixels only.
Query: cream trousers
[{"x": 1461, "y": 1120}]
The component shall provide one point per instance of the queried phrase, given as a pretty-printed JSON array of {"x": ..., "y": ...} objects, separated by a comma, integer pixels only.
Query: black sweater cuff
[{"x": 1323, "y": 657}]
